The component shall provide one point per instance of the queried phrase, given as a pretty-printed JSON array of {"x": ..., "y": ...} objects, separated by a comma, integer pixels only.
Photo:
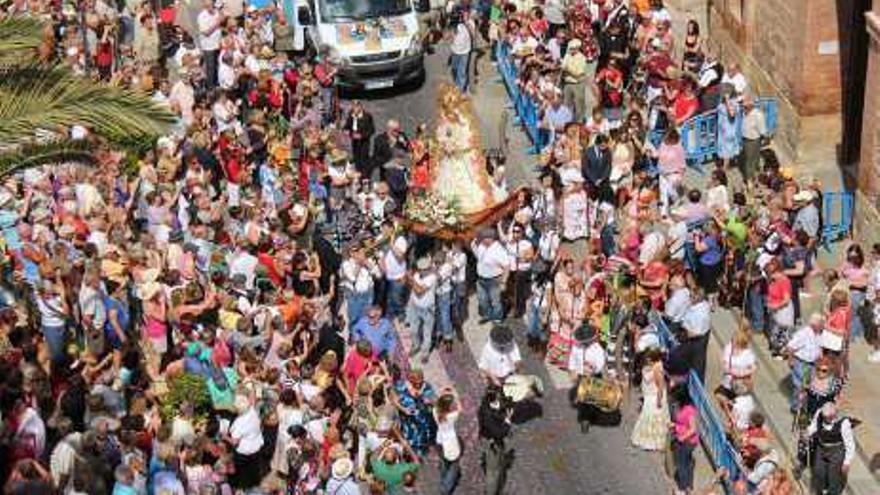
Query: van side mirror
[{"x": 304, "y": 16}]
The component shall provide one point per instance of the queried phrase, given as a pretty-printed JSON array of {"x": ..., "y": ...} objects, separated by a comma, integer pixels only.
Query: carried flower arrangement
[{"x": 430, "y": 209}]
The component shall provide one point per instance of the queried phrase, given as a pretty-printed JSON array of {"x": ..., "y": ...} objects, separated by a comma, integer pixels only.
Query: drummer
[
  {"x": 500, "y": 358},
  {"x": 587, "y": 359}
]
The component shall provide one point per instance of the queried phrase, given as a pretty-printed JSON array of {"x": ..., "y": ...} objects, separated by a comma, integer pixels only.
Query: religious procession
[{"x": 287, "y": 247}]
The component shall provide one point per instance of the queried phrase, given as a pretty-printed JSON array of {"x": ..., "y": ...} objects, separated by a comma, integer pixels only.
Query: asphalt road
[{"x": 552, "y": 455}]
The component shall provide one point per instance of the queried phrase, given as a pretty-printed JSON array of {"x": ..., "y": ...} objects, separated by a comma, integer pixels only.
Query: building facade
[
  {"x": 789, "y": 50},
  {"x": 869, "y": 159}
]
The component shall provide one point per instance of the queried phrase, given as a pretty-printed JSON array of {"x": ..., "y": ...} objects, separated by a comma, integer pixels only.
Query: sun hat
[
  {"x": 342, "y": 468},
  {"x": 804, "y": 195},
  {"x": 423, "y": 263}
]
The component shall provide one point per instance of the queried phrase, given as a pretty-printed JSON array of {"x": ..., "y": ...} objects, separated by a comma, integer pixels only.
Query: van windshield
[{"x": 355, "y": 10}]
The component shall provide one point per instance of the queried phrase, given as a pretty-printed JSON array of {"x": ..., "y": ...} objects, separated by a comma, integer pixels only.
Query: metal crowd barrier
[
  {"x": 837, "y": 214},
  {"x": 526, "y": 107},
  {"x": 699, "y": 134},
  {"x": 713, "y": 436},
  {"x": 721, "y": 452}
]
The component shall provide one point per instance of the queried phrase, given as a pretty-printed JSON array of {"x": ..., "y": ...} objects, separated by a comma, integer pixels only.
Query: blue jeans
[
  {"x": 395, "y": 299},
  {"x": 489, "y": 298},
  {"x": 358, "y": 304},
  {"x": 421, "y": 328},
  {"x": 684, "y": 465},
  {"x": 460, "y": 71},
  {"x": 801, "y": 373},
  {"x": 55, "y": 339},
  {"x": 444, "y": 316},
  {"x": 856, "y": 329},
  {"x": 450, "y": 472},
  {"x": 535, "y": 328},
  {"x": 756, "y": 309}
]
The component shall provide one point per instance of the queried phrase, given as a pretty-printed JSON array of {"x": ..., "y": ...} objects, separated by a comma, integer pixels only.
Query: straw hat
[{"x": 342, "y": 468}]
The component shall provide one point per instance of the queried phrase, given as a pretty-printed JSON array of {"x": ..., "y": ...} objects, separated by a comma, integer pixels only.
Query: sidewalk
[{"x": 861, "y": 398}]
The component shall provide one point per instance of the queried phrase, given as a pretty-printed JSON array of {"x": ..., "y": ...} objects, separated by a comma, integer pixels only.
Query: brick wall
[
  {"x": 777, "y": 44},
  {"x": 820, "y": 90},
  {"x": 869, "y": 169}
]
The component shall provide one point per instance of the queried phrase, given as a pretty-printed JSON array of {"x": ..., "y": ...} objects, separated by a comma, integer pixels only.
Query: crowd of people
[{"x": 228, "y": 314}]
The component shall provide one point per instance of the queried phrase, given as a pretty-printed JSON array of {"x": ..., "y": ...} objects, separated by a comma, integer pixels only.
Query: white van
[{"x": 377, "y": 42}]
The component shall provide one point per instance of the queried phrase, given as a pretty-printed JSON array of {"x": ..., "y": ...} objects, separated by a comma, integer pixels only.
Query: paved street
[{"x": 551, "y": 453}]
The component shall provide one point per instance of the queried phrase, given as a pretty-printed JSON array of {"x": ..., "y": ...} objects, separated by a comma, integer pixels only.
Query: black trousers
[
  {"x": 211, "y": 59},
  {"x": 360, "y": 149},
  {"x": 518, "y": 291},
  {"x": 828, "y": 477}
]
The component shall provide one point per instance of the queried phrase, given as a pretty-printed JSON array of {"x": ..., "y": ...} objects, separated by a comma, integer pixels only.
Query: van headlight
[{"x": 415, "y": 47}]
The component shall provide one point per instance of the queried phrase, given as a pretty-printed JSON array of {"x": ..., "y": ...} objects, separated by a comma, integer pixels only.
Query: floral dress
[{"x": 419, "y": 429}]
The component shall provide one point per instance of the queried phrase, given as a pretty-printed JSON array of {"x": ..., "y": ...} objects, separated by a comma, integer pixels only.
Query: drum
[{"x": 605, "y": 394}]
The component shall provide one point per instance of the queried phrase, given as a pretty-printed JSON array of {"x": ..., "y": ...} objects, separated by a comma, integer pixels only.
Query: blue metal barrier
[
  {"x": 699, "y": 134},
  {"x": 837, "y": 213},
  {"x": 667, "y": 338},
  {"x": 721, "y": 452}
]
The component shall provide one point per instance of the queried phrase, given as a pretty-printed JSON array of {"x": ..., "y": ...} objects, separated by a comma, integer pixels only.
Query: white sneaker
[{"x": 874, "y": 357}]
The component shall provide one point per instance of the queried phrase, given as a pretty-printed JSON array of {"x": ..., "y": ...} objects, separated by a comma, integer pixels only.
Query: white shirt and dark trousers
[{"x": 492, "y": 265}]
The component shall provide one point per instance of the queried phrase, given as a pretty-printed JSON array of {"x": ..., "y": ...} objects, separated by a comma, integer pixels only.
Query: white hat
[
  {"x": 570, "y": 176},
  {"x": 342, "y": 468},
  {"x": 299, "y": 210},
  {"x": 804, "y": 195},
  {"x": 400, "y": 245}
]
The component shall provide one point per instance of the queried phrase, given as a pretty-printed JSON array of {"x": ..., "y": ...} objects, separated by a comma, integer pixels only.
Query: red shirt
[
  {"x": 268, "y": 261},
  {"x": 685, "y": 107}
]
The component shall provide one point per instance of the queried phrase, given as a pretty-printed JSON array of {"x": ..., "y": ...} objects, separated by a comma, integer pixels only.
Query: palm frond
[
  {"x": 55, "y": 151},
  {"x": 19, "y": 39},
  {"x": 38, "y": 97}
]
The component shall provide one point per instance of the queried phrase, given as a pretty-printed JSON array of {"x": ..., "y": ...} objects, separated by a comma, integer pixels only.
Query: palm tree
[{"x": 39, "y": 98}]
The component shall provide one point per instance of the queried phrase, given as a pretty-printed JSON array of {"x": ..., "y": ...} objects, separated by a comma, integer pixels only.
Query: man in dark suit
[
  {"x": 386, "y": 143},
  {"x": 360, "y": 128},
  {"x": 596, "y": 165}
]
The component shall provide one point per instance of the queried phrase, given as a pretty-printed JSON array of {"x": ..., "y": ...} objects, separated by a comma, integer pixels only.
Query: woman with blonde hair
[{"x": 738, "y": 362}]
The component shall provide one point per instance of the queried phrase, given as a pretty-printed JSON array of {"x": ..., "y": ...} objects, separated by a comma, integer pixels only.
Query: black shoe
[
  {"x": 585, "y": 427},
  {"x": 483, "y": 321}
]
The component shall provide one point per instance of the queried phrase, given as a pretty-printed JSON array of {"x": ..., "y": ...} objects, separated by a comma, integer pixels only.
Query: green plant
[{"x": 187, "y": 388}]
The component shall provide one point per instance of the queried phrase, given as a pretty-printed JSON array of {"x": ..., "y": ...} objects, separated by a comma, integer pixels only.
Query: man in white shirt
[
  {"x": 461, "y": 46},
  {"x": 356, "y": 282},
  {"x": 493, "y": 265},
  {"x": 500, "y": 357},
  {"x": 586, "y": 360},
  {"x": 421, "y": 308},
  {"x": 735, "y": 78},
  {"x": 458, "y": 303},
  {"x": 696, "y": 323},
  {"x": 678, "y": 303},
  {"x": 521, "y": 253},
  {"x": 803, "y": 350},
  {"x": 393, "y": 266},
  {"x": 209, "y": 22}
]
